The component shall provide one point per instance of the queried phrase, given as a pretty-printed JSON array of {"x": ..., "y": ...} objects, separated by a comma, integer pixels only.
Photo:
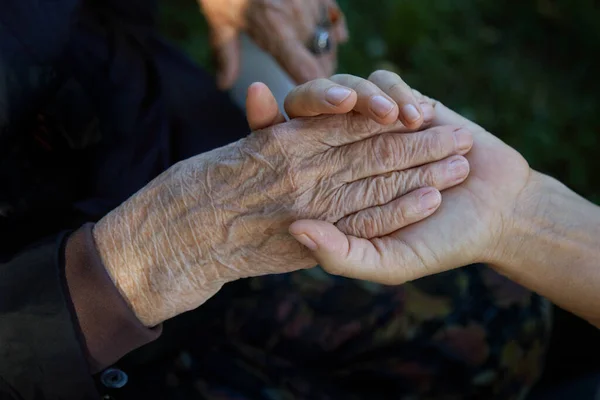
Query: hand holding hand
[
  {"x": 524, "y": 224},
  {"x": 224, "y": 215},
  {"x": 466, "y": 229}
]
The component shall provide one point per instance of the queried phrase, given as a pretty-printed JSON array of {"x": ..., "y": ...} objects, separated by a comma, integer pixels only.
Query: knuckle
[
  {"x": 309, "y": 87},
  {"x": 388, "y": 151},
  {"x": 355, "y": 226},
  {"x": 401, "y": 183},
  {"x": 365, "y": 224},
  {"x": 317, "y": 85},
  {"x": 406, "y": 150},
  {"x": 364, "y": 87},
  {"x": 439, "y": 145},
  {"x": 432, "y": 144},
  {"x": 382, "y": 74},
  {"x": 371, "y": 225},
  {"x": 399, "y": 88},
  {"x": 360, "y": 124},
  {"x": 382, "y": 190},
  {"x": 348, "y": 225},
  {"x": 429, "y": 176},
  {"x": 345, "y": 224},
  {"x": 401, "y": 215},
  {"x": 337, "y": 77}
]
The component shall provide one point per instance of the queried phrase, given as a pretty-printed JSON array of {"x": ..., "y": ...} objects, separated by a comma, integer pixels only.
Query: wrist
[
  {"x": 128, "y": 274},
  {"x": 156, "y": 266},
  {"x": 530, "y": 219},
  {"x": 552, "y": 246}
]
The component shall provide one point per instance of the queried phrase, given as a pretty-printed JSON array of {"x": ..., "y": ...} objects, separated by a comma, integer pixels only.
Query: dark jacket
[{"x": 92, "y": 106}]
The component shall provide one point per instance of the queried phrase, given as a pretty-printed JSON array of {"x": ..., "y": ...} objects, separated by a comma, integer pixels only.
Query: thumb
[
  {"x": 262, "y": 110},
  {"x": 337, "y": 253},
  {"x": 382, "y": 260},
  {"x": 226, "y": 45}
]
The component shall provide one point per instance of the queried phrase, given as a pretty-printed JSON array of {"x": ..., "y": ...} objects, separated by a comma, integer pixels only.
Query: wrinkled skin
[
  {"x": 475, "y": 218},
  {"x": 471, "y": 225},
  {"x": 224, "y": 215},
  {"x": 525, "y": 225},
  {"x": 283, "y": 28}
]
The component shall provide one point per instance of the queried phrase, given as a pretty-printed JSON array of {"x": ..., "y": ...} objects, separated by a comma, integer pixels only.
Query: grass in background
[{"x": 526, "y": 70}]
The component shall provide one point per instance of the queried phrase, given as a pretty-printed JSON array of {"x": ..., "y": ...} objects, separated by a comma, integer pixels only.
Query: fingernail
[
  {"x": 410, "y": 112},
  {"x": 463, "y": 140},
  {"x": 428, "y": 112},
  {"x": 429, "y": 200},
  {"x": 458, "y": 169},
  {"x": 381, "y": 106},
  {"x": 306, "y": 241},
  {"x": 336, "y": 95}
]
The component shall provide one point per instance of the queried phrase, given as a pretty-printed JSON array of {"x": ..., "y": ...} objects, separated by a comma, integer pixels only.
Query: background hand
[{"x": 283, "y": 28}]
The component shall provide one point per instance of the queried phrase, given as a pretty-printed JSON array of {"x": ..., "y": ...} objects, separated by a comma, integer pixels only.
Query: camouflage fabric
[{"x": 465, "y": 334}]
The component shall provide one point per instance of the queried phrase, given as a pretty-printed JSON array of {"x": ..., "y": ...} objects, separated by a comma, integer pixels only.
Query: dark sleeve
[
  {"x": 58, "y": 325},
  {"x": 110, "y": 328},
  {"x": 41, "y": 356}
]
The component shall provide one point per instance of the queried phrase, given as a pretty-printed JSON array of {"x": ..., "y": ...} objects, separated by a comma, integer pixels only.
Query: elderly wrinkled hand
[
  {"x": 224, "y": 215},
  {"x": 283, "y": 28}
]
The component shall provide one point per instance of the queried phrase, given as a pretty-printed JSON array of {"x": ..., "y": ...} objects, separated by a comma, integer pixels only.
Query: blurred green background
[{"x": 526, "y": 70}]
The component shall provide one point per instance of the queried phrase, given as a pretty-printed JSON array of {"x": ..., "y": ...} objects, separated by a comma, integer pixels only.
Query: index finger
[
  {"x": 320, "y": 96},
  {"x": 391, "y": 83},
  {"x": 324, "y": 96}
]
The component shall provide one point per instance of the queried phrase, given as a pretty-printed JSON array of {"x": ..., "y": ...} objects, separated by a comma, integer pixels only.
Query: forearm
[
  {"x": 160, "y": 267},
  {"x": 553, "y": 247}
]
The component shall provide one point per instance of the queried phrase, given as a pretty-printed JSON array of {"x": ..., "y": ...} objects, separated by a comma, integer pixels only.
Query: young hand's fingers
[
  {"x": 382, "y": 220},
  {"x": 262, "y": 110},
  {"x": 391, "y": 83},
  {"x": 320, "y": 96},
  {"x": 343, "y": 93},
  {"x": 372, "y": 101}
]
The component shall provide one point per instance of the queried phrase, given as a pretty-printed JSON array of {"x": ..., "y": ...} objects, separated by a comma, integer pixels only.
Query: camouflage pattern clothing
[{"x": 464, "y": 334}]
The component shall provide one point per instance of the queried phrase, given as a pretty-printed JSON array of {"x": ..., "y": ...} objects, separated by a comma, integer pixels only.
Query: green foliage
[{"x": 526, "y": 70}]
